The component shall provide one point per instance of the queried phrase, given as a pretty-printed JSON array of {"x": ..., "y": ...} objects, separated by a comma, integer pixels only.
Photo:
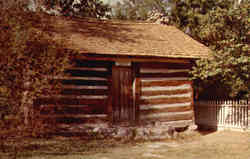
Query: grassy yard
[
  {"x": 56, "y": 147},
  {"x": 217, "y": 145}
]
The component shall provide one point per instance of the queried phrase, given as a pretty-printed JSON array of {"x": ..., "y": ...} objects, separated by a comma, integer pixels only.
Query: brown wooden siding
[
  {"x": 140, "y": 92},
  {"x": 166, "y": 93},
  {"x": 85, "y": 94}
]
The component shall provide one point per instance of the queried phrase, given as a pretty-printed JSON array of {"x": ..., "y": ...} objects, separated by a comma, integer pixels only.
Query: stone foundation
[{"x": 154, "y": 131}]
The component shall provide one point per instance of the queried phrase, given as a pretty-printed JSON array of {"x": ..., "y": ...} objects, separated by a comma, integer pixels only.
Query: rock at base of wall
[{"x": 153, "y": 131}]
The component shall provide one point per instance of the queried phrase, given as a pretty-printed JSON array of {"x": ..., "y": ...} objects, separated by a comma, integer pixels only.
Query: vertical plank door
[{"x": 123, "y": 109}]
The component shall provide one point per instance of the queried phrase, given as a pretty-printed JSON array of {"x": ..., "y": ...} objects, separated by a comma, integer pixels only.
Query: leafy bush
[
  {"x": 224, "y": 27},
  {"x": 28, "y": 58},
  {"x": 226, "y": 31}
]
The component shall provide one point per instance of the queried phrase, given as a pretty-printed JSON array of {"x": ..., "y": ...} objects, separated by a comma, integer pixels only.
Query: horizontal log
[
  {"x": 75, "y": 119},
  {"x": 73, "y": 97},
  {"x": 79, "y": 78},
  {"x": 189, "y": 94},
  {"x": 48, "y": 106},
  {"x": 85, "y": 92},
  {"x": 165, "y": 101},
  {"x": 94, "y": 63},
  {"x": 157, "y": 65},
  {"x": 75, "y": 116},
  {"x": 89, "y": 68},
  {"x": 68, "y": 101},
  {"x": 164, "y": 83},
  {"x": 163, "y": 106},
  {"x": 88, "y": 73},
  {"x": 165, "y": 110},
  {"x": 162, "y": 70},
  {"x": 83, "y": 87},
  {"x": 165, "y": 79},
  {"x": 166, "y": 88},
  {"x": 168, "y": 116},
  {"x": 90, "y": 109},
  {"x": 84, "y": 82},
  {"x": 165, "y": 92},
  {"x": 164, "y": 75}
]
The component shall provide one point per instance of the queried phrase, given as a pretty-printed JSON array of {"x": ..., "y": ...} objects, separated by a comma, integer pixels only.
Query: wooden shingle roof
[{"x": 126, "y": 38}]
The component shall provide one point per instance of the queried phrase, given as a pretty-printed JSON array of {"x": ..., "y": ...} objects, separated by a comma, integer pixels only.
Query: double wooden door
[{"x": 122, "y": 94}]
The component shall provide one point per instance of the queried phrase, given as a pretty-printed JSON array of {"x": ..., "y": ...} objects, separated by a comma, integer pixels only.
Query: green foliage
[
  {"x": 89, "y": 8},
  {"x": 189, "y": 14},
  {"x": 28, "y": 58},
  {"x": 138, "y": 10},
  {"x": 226, "y": 31}
]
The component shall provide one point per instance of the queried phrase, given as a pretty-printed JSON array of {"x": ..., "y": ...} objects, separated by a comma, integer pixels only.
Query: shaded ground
[{"x": 217, "y": 145}]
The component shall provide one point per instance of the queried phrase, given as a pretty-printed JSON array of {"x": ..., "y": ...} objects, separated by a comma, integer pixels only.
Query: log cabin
[{"x": 125, "y": 72}]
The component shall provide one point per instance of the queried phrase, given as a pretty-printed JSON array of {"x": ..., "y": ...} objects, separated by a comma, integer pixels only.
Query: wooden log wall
[
  {"x": 166, "y": 93},
  {"x": 85, "y": 94}
]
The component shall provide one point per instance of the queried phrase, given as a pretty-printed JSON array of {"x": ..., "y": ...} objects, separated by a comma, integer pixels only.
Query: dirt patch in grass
[{"x": 216, "y": 145}]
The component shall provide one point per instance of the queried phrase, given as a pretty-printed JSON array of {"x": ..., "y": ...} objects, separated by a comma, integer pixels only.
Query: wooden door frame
[{"x": 136, "y": 90}]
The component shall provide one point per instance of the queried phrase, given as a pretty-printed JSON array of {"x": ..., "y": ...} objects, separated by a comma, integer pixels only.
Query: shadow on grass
[{"x": 33, "y": 147}]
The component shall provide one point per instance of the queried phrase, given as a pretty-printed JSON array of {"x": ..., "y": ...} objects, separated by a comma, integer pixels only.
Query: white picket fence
[{"x": 223, "y": 114}]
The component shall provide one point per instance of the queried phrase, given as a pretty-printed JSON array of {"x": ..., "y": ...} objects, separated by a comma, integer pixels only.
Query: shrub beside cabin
[{"x": 125, "y": 73}]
